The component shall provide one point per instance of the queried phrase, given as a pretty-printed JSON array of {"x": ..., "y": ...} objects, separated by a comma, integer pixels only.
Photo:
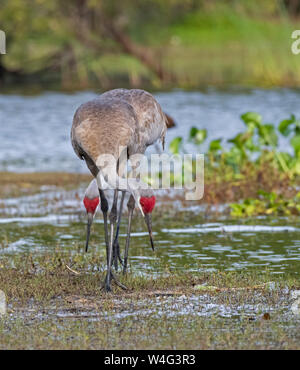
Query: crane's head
[
  {"x": 146, "y": 205},
  {"x": 91, "y": 201}
]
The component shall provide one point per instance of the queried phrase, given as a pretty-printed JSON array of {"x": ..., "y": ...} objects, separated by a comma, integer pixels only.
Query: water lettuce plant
[
  {"x": 256, "y": 144},
  {"x": 251, "y": 154},
  {"x": 267, "y": 204}
]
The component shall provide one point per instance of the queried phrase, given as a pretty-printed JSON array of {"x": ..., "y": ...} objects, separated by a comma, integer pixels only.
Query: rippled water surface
[
  {"x": 187, "y": 241},
  {"x": 35, "y": 130}
]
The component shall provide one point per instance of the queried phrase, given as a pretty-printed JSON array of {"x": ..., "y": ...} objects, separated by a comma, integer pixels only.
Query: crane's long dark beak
[
  {"x": 148, "y": 220},
  {"x": 88, "y": 230}
]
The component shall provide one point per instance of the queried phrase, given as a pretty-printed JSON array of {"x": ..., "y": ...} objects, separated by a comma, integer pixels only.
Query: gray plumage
[
  {"x": 152, "y": 122},
  {"x": 120, "y": 117},
  {"x": 100, "y": 126}
]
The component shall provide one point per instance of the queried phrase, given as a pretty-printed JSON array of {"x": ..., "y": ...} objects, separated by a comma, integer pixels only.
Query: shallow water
[
  {"x": 35, "y": 130},
  {"x": 235, "y": 305},
  {"x": 185, "y": 242}
]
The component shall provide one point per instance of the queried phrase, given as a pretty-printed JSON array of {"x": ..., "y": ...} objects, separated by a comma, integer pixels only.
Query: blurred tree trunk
[
  {"x": 143, "y": 54},
  {"x": 293, "y": 7},
  {"x": 94, "y": 24}
]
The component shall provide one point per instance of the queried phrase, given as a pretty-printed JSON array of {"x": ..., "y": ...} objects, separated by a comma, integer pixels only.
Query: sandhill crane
[
  {"x": 101, "y": 127},
  {"x": 91, "y": 202},
  {"x": 151, "y": 125},
  {"x": 136, "y": 97}
]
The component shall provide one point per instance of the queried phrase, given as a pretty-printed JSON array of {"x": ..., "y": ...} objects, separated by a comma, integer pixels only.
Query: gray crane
[{"x": 131, "y": 119}]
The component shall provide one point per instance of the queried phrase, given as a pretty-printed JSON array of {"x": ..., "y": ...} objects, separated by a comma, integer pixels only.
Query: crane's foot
[
  {"x": 107, "y": 283},
  {"x": 122, "y": 286}
]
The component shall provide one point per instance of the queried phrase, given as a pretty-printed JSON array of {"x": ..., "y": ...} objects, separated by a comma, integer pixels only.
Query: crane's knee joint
[
  {"x": 103, "y": 203},
  {"x": 131, "y": 203},
  {"x": 113, "y": 215}
]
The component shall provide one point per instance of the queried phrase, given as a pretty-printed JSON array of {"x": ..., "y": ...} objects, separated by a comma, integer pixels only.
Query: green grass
[
  {"x": 43, "y": 277},
  {"x": 147, "y": 332},
  {"x": 50, "y": 308},
  {"x": 18, "y": 184},
  {"x": 225, "y": 47}
]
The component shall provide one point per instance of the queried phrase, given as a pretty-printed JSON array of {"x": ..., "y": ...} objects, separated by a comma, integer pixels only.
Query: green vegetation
[
  {"x": 155, "y": 43},
  {"x": 51, "y": 308},
  {"x": 253, "y": 159},
  {"x": 17, "y": 184},
  {"x": 81, "y": 328},
  {"x": 43, "y": 277},
  {"x": 267, "y": 204}
]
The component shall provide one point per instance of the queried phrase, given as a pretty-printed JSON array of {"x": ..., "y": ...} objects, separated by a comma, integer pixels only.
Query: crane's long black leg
[
  {"x": 130, "y": 205},
  {"x": 116, "y": 246},
  {"x": 104, "y": 209},
  {"x": 112, "y": 219}
]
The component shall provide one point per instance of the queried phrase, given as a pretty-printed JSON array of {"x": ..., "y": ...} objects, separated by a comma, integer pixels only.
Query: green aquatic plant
[
  {"x": 267, "y": 204},
  {"x": 176, "y": 145},
  {"x": 197, "y": 136},
  {"x": 249, "y": 161},
  {"x": 257, "y": 144}
]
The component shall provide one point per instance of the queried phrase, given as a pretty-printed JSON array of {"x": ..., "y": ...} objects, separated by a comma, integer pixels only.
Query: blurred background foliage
[{"x": 155, "y": 43}]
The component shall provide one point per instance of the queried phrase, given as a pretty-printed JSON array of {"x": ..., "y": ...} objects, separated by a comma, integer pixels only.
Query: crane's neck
[
  {"x": 92, "y": 190},
  {"x": 108, "y": 178}
]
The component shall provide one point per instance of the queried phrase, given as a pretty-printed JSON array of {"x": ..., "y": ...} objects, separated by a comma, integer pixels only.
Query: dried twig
[{"x": 74, "y": 272}]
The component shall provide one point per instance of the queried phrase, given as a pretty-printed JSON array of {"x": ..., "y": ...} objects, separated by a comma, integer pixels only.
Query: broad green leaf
[
  {"x": 175, "y": 145},
  {"x": 251, "y": 117},
  {"x": 268, "y": 135},
  {"x": 215, "y": 145},
  {"x": 251, "y": 146},
  {"x": 193, "y": 132},
  {"x": 198, "y": 135},
  {"x": 237, "y": 141},
  {"x": 295, "y": 142},
  {"x": 284, "y": 126}
]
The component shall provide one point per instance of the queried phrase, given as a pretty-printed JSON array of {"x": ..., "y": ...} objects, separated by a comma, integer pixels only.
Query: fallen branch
[{"x": 74, "y": 272}]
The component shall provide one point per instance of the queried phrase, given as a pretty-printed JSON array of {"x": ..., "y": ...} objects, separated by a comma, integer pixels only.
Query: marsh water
[
  {"x": 35, "y": 129},
  {"x": 184, "y": 238},
  {"x": 34, "y": 132},
  {"x": 54, "y": 223}
]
